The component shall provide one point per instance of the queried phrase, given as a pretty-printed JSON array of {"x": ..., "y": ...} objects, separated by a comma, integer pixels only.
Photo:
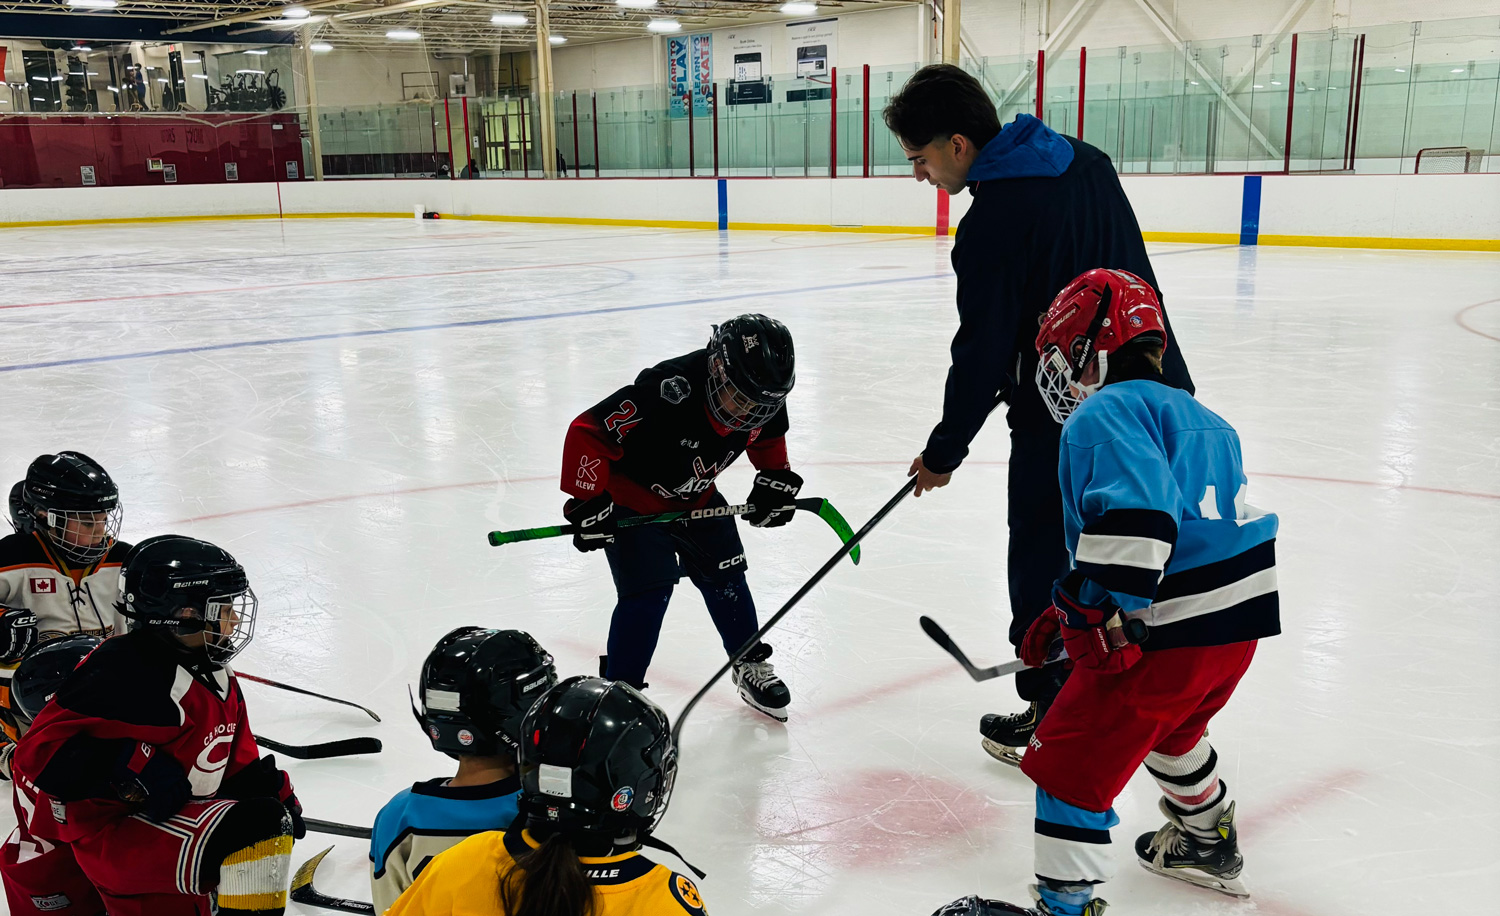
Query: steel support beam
[
  {"x": 546, "y": 108},
  {"x": 1059, "y": 37},
  {"x": 312, "y": 103}
]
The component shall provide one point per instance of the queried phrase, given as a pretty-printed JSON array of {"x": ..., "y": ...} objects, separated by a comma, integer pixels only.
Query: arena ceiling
[{"x": 453, "y": 25}]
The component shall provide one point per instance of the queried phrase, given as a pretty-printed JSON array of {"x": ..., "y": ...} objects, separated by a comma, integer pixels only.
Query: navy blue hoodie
[{"x": 1046, "y": 208}]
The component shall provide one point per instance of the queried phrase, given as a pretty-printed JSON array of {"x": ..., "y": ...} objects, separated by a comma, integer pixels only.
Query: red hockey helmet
[{"x": 1095, "y": 315}]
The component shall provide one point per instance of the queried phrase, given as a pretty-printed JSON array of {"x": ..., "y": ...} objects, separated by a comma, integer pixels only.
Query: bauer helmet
[
  {"x": 597, "y": 761},
  {"x": 184, "y": 586},
  {"x": 751, "y": 370},
  {"x": 1095, "y": 315},
  {"x": 72, "y": 501},
  {"x": 42, "y": 672},
  {"x": 477, "y": 685}
]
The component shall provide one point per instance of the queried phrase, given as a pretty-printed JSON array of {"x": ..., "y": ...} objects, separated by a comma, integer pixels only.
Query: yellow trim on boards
[
  {"x": 813, "y": 227},
  {"x": 1205, "y": 238},
  {"x": 588, "y": 221},
  {"x": 1363, "y": 241}
]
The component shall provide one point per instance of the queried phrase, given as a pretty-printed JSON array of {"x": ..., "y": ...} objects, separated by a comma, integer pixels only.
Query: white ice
[{"x": 348, "y": 406}]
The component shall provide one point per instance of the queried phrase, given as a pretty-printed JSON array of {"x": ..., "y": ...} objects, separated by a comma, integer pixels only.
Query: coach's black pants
[{"x": 1038, "y": 552}]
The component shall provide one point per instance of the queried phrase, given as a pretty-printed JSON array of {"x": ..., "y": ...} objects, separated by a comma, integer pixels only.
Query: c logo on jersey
[
  {"x": 209, "y": 772},
  {"x": 687, "y": 894}
]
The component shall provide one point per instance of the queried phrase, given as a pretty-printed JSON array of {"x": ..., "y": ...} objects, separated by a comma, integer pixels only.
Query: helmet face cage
[
  {"x": 732, "y": 407},
  {"x": 1060, "y": 390},
  {"x": 229, "y": 625},
  {"x": 82, "y": 536}
]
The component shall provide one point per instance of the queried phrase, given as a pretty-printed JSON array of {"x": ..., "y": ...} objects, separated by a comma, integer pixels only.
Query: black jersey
[{"x": 653, "y": 446}]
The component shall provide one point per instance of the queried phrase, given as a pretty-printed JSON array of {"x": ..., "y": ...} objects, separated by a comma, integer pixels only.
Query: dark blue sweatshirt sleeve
[{"x": 990, "y": 278}]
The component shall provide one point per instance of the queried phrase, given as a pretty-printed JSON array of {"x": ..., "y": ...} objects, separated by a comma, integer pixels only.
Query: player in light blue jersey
[
  {"x": 1173, "y": 581},
  {"x": 477, "y": 685}
]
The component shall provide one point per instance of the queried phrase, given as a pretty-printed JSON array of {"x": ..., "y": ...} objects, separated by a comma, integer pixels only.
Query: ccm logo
[
  {"x": 781, "y": 485},
  {"x": 732, "y": 561}
]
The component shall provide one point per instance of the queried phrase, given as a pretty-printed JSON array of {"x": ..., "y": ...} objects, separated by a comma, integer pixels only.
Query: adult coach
[{"x": 1046, "y": 208}]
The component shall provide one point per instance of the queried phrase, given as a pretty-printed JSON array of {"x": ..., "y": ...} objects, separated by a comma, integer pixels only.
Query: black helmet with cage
[
  {"x": 477, "y": 686},
  {"x": 597, "y": 763},
  {"x": 182, "y": 586},
  {"x": 42, "y": 672},
  {"x": 751, "y": 370},
  {"x": 70, "y": 499}
]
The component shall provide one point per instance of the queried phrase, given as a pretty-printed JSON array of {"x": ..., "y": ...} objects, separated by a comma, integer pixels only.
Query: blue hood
[{"x": 1024, "y": 148}]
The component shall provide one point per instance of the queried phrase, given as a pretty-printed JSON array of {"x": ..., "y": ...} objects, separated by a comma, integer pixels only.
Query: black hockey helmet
[
  {"x": 597, "y": 760},
  {"x": 18, "y": 508},
  {"x": 70, "y": 499},
  {"x": 43, "y": 670},
  {"x": 181, "y": 585},
  {"x": 751, "y": 370},
  {"x": 477, "y": 685}
]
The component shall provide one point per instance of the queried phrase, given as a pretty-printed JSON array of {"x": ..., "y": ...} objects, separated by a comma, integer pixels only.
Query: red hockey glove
[
  {"x": 17, "y": 633},
  {"x": 773, "y": 491},
  {"x": 1095, "y": 635},
  {"x": 595, "y": 519},
  {"x": 1040, "y": 639},
  {"x": 151, "y": 778}
]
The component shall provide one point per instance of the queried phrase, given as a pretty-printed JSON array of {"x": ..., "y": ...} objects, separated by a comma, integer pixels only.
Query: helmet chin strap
[{"x": 1091, "y": 340}]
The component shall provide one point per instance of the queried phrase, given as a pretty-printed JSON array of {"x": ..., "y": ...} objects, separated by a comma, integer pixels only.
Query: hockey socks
[
  {"x": 255, "y": 840},
  {"x": 1192, "y": 789},
  {"x": 1198, "y": 843},
  {"x": 1072, "y": 844},
  {"x": 732, "y": 609}
]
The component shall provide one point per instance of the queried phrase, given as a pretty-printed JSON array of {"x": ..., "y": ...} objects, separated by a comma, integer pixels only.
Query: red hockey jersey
[{"x": 135, "y": 692}]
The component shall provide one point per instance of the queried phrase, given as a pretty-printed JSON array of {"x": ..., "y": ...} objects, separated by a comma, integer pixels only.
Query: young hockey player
[
  {"x": 657, "y": 446},
  {"x": 1173, "y": 582},
  {"x": 597, "y": 765},
  {"x": 476, "y": 686},
  {"x": 143, "y": 767},
  {"x": 59, "y": 572}
]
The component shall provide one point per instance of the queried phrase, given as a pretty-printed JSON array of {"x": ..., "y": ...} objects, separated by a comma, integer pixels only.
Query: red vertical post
[
  {"x": 833, "y": 123},
  {"x": 1083, "y": 72},
  {"x": 691, "y": 148},
  {"x": 864, "y": 154},
  {"x": 448, "y": 123},
  {"x": 714, "y": 98},
  {"x": 576, "y": 167},
  {"x": 525, "y": 157},
  {"x": 468, "y": 141},
  {"x": 1291, "y": 101},
  {"x": 1359, "y": 89},
  {"x": 1041, "y": 74},
  {"x": 942, "y": 213},
  {"x": 594, "y": 100}
]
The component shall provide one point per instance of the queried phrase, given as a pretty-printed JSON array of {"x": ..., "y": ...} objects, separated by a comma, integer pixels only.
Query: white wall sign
[
  {"x": 813, "y": 46},
  {"x": 750, "y": 56}
]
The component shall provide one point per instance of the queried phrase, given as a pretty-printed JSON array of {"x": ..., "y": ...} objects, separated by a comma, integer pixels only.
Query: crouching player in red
[
  {"x": 1173, "y": 581},
  {"x": 141, "y": 782}
]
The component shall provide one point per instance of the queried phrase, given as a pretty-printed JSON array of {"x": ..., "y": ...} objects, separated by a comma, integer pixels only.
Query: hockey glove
[
  {"x": 152, "y": 779},
  {"x": 263, "y": 779},
  {"x": 1094, "y": 634},
  {"x": 17, "y": 633},
  {"x": 595, "y": 519},
  {"x": 772, "y": 496},
  {"x": 1039, "y": 645}
]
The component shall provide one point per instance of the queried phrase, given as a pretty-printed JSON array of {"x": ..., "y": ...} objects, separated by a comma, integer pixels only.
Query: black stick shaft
[
  {"x": 307, "y": 693},
  {"x": 791, "y": 602},
  {"x": 336, "y": 829}
]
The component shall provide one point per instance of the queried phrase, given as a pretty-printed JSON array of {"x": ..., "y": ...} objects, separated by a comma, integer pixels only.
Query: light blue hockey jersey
[
  {"x": 427, "y": 819},
  {"x": 1154, "y": 510}
]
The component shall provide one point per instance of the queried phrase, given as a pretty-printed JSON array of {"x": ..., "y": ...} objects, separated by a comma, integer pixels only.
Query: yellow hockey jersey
[{"x": 465, "y": 881}]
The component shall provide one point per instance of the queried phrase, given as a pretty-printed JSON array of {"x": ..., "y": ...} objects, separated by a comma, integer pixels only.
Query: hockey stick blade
[
  {"x": 941, "y": 637},
  {"x": 347, "y": 747},
  {"x": 333, "y": 828},
  {"x": 305, "y": 893},
  {"x": 307, "y": 693},
  {"x": 835, "y": 520}
]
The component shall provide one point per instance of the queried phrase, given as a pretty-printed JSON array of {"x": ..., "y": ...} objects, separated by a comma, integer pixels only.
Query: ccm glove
[
  {"x": 595, "y": 519},
  {"x": 772, "y": 496},
  {"x": 152, "y": 779},
  {"x": 263, "y": 779},
  {"x": 1095, "y": 635},
  {"x": 17, "y": 633}
]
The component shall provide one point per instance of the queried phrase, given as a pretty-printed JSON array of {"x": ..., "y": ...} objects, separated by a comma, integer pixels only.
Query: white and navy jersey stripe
[
  {"x": 1154, "y": 511},
  {"x": 1072, "y": 845}
]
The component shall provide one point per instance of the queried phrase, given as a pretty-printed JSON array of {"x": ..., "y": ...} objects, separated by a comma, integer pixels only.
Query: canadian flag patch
[{"x": 46, "y": 586}]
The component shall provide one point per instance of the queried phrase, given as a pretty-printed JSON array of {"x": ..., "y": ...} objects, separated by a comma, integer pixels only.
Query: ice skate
[
  {"x": 1175, "y": 853},
  {"x": 978, "y": 906},
  {"x": 1003, "y": 736},
  {"x": 758, "y": 684}
]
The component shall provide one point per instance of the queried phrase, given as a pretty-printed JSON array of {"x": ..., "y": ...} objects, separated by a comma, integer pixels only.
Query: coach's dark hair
[
  {"x": 548, "y": 881},
  {"x": 941, "y": 100},
  {"x": 1139, "y": 358}
]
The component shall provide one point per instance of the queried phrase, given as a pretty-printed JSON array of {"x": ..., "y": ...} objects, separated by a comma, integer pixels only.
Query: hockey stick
[
  {"x": 822, "y": 507},
  {"x": 754, "y": 640},
  {"x": 347, "y": 747},
  {"x": 270, "y": 683},
  {"x": 941, "y": 637},
  {"x": 333, "y": 828},
  {"x": 303, "y": 891}
]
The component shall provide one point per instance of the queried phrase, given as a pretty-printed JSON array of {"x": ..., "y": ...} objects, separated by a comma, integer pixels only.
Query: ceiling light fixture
[
  {"x": 94, "y": 4},
  {"x": 321, "y": 46},
  {"x": 508, "y": 19},
  {"x": 664, "y": 25},
  {"x": 557, "y": 39},
  {"x": 799, "y": 9},
  {"x": 200, "y": 76},
  {"x": 258, "y": 53},
  {"x": 83, "y": 48},
  {"x": 636, "y": 4},
  {"x": 295, "y": 12},
  {"x": 403, "y": 35}
]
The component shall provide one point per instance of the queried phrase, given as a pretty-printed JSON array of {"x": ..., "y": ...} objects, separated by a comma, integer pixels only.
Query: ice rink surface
[{"x": 348, "y": 406}]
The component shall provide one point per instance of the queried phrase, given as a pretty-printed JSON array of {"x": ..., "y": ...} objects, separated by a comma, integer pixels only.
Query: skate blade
[
  {"x": 1001, "y": 752},
  {"x": 1234, "y": 887},
  {"x": 778, "y": 714}
]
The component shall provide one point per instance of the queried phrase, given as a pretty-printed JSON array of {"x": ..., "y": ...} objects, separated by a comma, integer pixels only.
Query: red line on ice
[{"x": 1459, "y": 317}]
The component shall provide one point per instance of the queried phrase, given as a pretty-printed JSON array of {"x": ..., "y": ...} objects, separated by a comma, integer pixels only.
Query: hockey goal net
[{"x": 1450, "y": 160}]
